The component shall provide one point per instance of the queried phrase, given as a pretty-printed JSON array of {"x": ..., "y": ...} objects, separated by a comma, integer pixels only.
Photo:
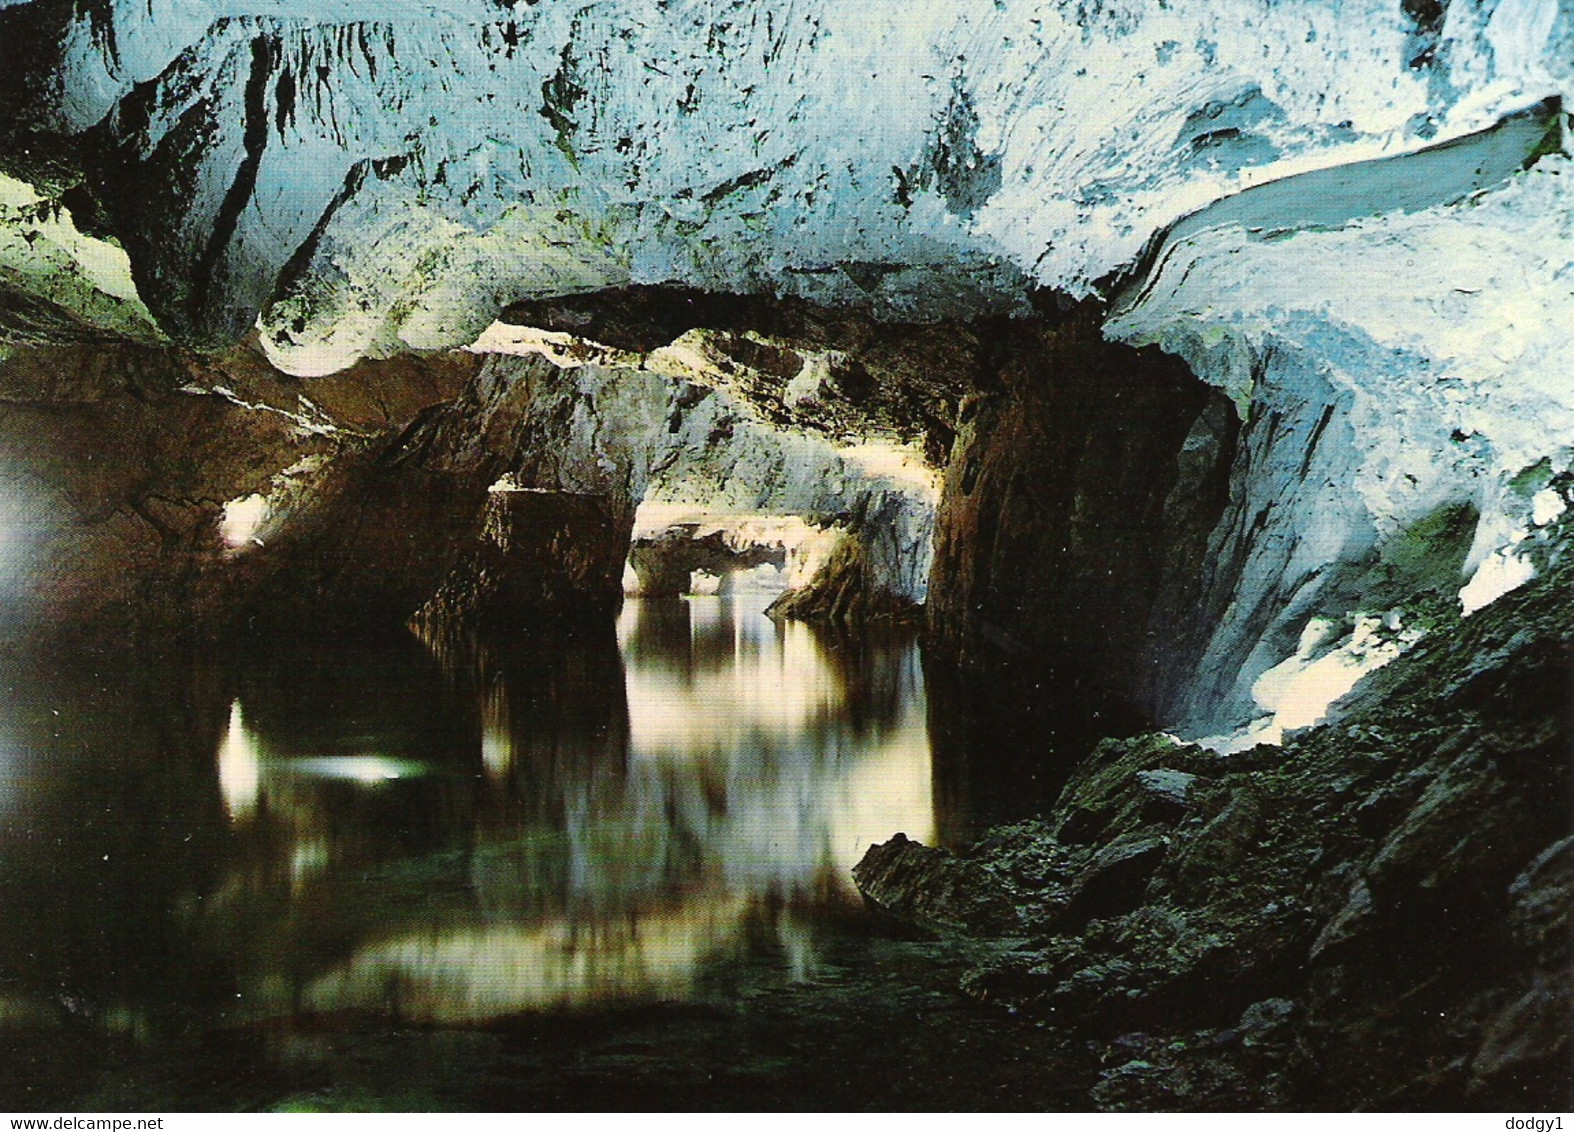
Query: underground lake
[{"x": 665, "y": 555}]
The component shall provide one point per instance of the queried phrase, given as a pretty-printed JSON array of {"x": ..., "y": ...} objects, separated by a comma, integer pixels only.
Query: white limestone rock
[{"x": 374, "y": 177}]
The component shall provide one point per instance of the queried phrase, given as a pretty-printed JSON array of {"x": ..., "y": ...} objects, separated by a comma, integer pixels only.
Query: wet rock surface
[
  {"x": 1376, "y": 915},
  {"x": 1073, "y": 512},
  {"x": 119, "y": 461}
]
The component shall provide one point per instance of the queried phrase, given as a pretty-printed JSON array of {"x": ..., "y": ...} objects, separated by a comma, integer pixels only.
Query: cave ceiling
[
  {"x": 352, "y": 178},
  {"x": 867, "y": 222}
]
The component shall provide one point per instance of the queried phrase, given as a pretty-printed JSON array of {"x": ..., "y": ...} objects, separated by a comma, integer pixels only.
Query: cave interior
[{"x": 1177, "y": 400}]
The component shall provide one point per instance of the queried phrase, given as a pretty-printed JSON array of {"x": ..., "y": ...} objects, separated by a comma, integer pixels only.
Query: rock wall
[
  {"x": 359, "y": 544},
  {"x": 374, "y": 178},
  {"x": 836, "y": 372},
  {"x": 112, "y": 507},
  {"x": 846, "y": 593},
  {"x": 621, "y": 436},
  {"x": 118, "y": 462},
  {"x": 369, "y": 491},
  {"x": 1375, "y": 917},
  {"x": 1076, "y": 493},
  {"x": 1375, "y": 416}
]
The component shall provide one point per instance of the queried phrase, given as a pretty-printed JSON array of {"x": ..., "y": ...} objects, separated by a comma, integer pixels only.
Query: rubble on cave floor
[{"x": 1375, "y": 915}]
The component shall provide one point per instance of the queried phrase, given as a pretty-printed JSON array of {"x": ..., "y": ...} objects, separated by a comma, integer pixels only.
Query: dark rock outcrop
[
  {"x": 1376, "y": 915},
  {"x": 540, "y": 557},
  {"x": 117, "y": 463},
  {"x": 930, "y": 888},
  {"x": 363, "y": 545},
  {"x": 1076, "y": 509}
]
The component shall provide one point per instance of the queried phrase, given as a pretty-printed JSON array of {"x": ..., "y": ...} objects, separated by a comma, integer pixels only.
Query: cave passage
[
  {"x": 302, "y": 844},
  {"x": 795, "y": 555}
]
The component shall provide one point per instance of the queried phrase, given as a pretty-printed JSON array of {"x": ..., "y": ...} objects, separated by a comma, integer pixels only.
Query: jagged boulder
[
  {"x": 847, "y": 591},
  {"x": 933, "y": 889}
]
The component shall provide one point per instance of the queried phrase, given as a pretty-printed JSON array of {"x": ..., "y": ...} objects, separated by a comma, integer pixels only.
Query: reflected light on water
[
  {"x": 887, "y": 793},
  {"x": 767, "y": 687},
  {"x": 497, "y": 740},
  {"x": 368, "y": 769},
  {"x": 802, "y": 796},
  {"x": 246, "y": 770},
  {"x": 594, "y": 839},
  {"x": 485, "y": 972},
  {"x": 240, "y": 767}
]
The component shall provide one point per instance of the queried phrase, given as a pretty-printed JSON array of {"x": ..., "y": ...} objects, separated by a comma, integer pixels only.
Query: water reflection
[
  {"x": 445, "y": 834},
  {"x": 553, "y": 822},
  {"x": 110, "y": 826}
]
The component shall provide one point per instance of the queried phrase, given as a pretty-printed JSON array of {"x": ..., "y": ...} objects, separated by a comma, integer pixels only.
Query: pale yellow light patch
[
  {"x": 891, "y": 791},
  {"x": 240, "y": 767},
  {"x": 480, "y": 972},
  {"x": 243, "y": 518},
  {"x": 42, "y": 254}
]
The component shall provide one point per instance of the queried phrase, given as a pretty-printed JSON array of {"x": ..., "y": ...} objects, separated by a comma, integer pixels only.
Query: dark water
[{"x": 601, "y": 869}]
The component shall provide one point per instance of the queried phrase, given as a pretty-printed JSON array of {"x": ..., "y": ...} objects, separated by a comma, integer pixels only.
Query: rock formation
[
  {"x": 1374, "y": 916},
  {"x": 1180, "y": 366},
  {"x": 664, "y": 563}
]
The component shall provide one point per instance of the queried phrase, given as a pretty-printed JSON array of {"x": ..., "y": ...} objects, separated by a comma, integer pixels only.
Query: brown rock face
[
  {"x": 415, "y": 520},
  {"x": 115, "y": 481},
  {"x": 541, "y": 556},
  {"x": 1064, "y": 511},
  {"x": 116, "y": 462}
]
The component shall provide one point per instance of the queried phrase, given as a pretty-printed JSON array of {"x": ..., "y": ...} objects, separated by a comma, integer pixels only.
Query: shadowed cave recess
[{"x": 1165, "y": 414}]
